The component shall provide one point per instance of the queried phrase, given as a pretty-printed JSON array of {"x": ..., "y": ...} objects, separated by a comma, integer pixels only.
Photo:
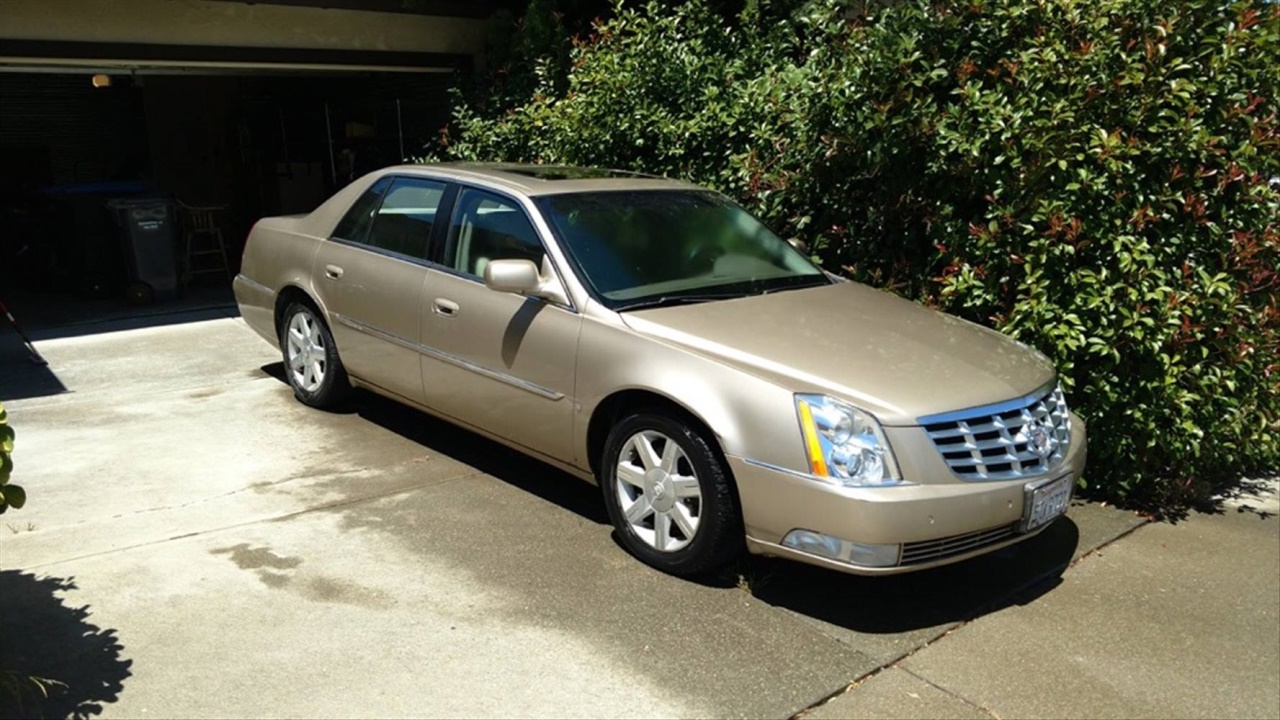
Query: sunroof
[{"x": 562, "y": 172}]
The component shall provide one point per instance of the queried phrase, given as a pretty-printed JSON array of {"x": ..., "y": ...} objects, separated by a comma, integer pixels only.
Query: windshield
[{"x": 652, "y": 247}]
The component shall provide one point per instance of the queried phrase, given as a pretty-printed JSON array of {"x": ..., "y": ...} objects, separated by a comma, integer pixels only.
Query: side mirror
[
  {"x": 514, "y": 276},
  {"x": 522, "y": 277},
  {"x": 798, "y": 244}
]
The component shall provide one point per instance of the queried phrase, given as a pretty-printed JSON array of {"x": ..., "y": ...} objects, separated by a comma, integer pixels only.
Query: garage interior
[
  {"x": 142, "y": 140},
  {"x": 220, "y": 147}
]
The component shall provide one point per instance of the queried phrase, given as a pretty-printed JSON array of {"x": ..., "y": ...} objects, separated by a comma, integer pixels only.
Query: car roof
[{"x": 533, "y": 179}]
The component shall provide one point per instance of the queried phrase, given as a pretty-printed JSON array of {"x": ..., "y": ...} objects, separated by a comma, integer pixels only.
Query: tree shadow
[
  {"x": 41, "y": 636},
  {"x": 490, "y": 457},
  {"x": 1254, "y": 492},
  {"x": 23, "y": 379},
  {"x": 20, "y": 376},
  {"x": 1255, "y": 495}
]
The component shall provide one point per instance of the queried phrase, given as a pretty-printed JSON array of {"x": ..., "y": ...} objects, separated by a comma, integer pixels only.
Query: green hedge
[
  {"x": 1088, "y": 177},
  {"x": 11, "y": 496}
]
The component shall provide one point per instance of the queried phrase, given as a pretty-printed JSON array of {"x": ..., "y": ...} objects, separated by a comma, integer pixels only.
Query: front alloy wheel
[
  {"x": 669, "y": 495},
  {"x": 658, "y": 491}
]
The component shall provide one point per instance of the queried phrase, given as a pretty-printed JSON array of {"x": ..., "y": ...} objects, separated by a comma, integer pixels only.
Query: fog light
[
  {"x": 833, "y": 548},
  {"x": 814, "y": 544}
]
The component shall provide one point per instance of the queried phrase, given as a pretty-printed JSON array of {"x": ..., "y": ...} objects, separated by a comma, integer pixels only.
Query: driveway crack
[
  {"x": 259, "y": 521},
  {"x": 237, "y": 491},
  {"x": 955, "y": 695},
  {"x": 984, "y": 610}
]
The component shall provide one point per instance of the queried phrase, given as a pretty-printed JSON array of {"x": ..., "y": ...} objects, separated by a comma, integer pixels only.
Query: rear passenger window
[
  {"x": 489, "y": 227},
  {"x": 355, "y": 224},
  {"x": 403, "y": 223}
]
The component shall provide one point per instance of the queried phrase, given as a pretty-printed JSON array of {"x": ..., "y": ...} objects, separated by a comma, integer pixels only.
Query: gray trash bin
[{"x": 149, "y": 229}]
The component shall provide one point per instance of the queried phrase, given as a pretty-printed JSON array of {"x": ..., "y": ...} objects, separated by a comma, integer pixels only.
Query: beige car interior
[{"x": 491, "y": 230}]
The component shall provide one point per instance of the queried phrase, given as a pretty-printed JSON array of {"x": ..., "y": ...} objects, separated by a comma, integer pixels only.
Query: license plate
[{"x": 1045, "y": 501}]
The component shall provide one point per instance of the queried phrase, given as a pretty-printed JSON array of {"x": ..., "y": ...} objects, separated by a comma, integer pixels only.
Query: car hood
[{"x": 890, "y": 356}]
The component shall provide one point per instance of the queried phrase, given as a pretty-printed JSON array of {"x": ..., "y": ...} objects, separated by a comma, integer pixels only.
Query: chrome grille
[
  {"x": 1006, "y": 441},
  {"x": 914, "y": 553}
]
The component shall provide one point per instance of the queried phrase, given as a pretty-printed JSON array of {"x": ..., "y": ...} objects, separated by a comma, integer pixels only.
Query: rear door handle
[
  {"x": 333, "y": 272},
  {"x": 446, "y": 307}
]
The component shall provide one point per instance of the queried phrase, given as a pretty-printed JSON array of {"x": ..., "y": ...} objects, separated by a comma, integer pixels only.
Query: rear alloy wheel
[
  {"x": 311, "y": 359},
  {"x": 669, "y": 496}
]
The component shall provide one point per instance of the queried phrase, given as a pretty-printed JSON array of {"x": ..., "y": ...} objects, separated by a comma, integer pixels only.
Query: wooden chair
[{"x": 202, "y": 238}]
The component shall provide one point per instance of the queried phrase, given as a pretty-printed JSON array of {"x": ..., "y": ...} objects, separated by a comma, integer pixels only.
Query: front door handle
[
  {"x": 333, "y": 272},
  {"x": 446, "y": 307}
]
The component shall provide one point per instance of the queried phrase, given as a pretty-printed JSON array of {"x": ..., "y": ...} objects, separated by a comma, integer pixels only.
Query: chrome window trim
[
  {"x": 451, "y": 359},
  {"x": 574, "y": 289},
  {"x": 391, "y": 254}
]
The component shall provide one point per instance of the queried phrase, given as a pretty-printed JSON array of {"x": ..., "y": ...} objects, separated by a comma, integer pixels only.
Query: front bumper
[{"x": 962, "y": 518}]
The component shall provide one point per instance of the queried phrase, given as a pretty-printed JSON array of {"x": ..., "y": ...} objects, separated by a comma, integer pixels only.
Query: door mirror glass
[{"x": 513, "y": 276}]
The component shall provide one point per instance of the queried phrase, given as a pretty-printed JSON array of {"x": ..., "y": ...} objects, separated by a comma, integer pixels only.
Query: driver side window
[{"x": 489, "y": 227}]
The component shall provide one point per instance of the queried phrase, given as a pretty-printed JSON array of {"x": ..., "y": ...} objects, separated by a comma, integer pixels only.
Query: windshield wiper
[
  {"x": 808, "y": 282},
  {"x": 671, "y": 300}
]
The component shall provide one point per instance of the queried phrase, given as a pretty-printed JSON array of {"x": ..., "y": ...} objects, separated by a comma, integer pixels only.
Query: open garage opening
[{"x": 125, "y": 188}]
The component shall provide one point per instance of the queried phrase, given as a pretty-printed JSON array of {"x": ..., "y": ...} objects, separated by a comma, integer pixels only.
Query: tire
[
  {"x": 717, "y": 537},
  {"x": 317, "y": 377}
]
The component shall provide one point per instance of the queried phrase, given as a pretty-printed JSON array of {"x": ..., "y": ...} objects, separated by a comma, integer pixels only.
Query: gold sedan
[{"x": 654, "y": 338}]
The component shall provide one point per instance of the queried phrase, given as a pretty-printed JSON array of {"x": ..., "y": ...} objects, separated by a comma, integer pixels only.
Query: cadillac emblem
[{"x": 1040, "y": 439}]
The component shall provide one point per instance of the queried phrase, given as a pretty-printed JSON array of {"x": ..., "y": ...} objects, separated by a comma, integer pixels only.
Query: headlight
[{"x": 845, "y": 444}]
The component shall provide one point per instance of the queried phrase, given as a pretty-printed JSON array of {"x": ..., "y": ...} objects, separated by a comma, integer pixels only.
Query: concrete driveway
[{"x": 197, "y": 543}]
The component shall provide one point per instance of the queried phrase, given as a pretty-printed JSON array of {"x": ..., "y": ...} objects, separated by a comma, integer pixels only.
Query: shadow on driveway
[
  {"x": 928, "y": 598},
  {"x": 874, "y": 605},
  {"x": 487, "y": 456},
  {"x": 41, "y": 636}
]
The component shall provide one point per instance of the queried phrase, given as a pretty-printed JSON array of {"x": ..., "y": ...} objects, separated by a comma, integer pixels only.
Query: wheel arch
[
  {"x": 617, "y": 405},
  {"x": 291, "y": 293},
  {"x": 609, "y": 410}
]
